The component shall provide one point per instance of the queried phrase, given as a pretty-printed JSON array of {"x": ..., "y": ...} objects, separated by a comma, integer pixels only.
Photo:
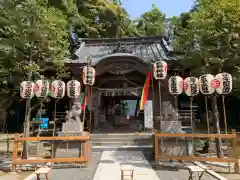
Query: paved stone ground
[
  {"x": 111, "y": 162},
  {"x": 172, "y": 171},
  {"x": 164, "y": 173},
  {"x": 78, "y": 173}
]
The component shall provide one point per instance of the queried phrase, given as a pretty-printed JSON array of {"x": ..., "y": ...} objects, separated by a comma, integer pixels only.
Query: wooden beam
[
  {"x": 63, "y": 138},
  {"x": 39, "y": 161},
  {"x": 195, "y": 158},
  {"x": 209, "y": 136},
  {"x": 104, "y": 80},
  {"x": 235, "y": 152}
]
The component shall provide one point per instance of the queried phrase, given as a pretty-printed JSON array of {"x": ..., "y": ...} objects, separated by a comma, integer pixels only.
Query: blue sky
[{"x": 170, "y": 7}]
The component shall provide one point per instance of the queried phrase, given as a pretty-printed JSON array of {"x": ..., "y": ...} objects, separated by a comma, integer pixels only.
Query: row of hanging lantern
[
  {"x": 207, "y": 84},
  {"x": 58, "y": 88}
]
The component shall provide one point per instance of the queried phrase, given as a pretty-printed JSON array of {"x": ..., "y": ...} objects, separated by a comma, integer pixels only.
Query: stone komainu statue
[{"x": 73, "y": 120}]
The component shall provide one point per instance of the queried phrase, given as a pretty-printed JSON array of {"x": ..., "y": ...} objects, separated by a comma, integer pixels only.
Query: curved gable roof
[{"x": 146, "y": 48}]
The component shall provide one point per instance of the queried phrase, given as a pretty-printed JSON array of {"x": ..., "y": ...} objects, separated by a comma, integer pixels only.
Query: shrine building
[{"x": 121, "y": 68}]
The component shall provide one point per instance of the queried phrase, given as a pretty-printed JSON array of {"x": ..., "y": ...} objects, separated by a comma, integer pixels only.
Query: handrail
[
  {"x": 232, "y": 136},
  {"x": 56, "y": 138},
  {"x": 84, "y": 145},
  {"x": 210, "y": 136}
]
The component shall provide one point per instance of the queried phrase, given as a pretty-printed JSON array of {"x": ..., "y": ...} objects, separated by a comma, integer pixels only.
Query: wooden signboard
[{"x": 148, "y": 115}]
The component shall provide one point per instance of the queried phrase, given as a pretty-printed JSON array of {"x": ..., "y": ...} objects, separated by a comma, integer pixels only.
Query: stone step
[
  {"x": 127, "y": 143},
  {"x": 121, "y": 136},
  {"x": 144, "y": 148},
  {"x": 118, "y": 139}
]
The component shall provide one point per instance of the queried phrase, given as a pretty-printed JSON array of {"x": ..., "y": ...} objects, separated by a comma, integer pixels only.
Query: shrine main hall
[{"x": 121, "y": 68}]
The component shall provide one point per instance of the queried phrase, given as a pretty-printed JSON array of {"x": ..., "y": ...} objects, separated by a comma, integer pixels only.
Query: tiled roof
[{"x": 146, "y": 48}]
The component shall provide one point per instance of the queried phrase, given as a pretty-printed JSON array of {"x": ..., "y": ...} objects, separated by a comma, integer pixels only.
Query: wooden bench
[
  {"x": 211, "y": 172},
  {"x": 195, "y": 169},
  {"x": 127, "y": 172},
  {"x": 43, "y": 170}
]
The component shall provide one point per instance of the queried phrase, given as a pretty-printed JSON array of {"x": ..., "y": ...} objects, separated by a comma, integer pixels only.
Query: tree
[
  {"x": 208, "y": 39},
  {"x": 151, "y": 23},
  {"x": 31, "y": 31}
]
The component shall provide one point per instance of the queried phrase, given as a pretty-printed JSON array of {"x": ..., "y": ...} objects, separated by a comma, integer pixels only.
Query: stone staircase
[{"x": 103, "y": 142}]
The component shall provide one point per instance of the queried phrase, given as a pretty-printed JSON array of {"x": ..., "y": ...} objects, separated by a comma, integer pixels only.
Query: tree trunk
[
  {"x": 26, "y": 129},
  {"x": 217, "y": 127}
]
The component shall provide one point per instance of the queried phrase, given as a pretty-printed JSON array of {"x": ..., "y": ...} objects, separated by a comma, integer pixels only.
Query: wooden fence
[
  {"x": 232, "y": 136},
  {"x": 83, "y": 157}
]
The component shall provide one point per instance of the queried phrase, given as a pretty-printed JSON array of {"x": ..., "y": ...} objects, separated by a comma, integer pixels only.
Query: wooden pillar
[
  {"x": 235, "y": 151},
  {"x": 15, "y": 151}
]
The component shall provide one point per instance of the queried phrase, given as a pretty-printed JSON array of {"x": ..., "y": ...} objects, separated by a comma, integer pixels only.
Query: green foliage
[
  {"x": 208, "y": 37},
  {"x": 151, "y": 23},
  {"x": 33, "y": 32},
  {"x": 28, "y": 33}
]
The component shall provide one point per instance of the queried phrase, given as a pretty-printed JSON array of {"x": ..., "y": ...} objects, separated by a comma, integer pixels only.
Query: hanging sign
[
  {"x": 191, "y": 86},
  {"x": 160, "y": 70},
  {"x": 175, "y": 85},
  {"x": 207, "y": 84},
  {"x": 88, "y": 75},
  {"x": 223, "y": 83},
  {"x": 73, "y": 89},
  {"x": 41, "y": 88},
  {"x": 27, "y": 89},
  {"x": 58, "y": 89}
]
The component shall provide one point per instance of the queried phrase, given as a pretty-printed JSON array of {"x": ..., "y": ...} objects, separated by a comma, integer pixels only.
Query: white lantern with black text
[
  {"x": 88, "y": 75},
  {"x": 191, "y": 86},
  {"x": 206, "y": 84},
  {"x": 160, "y": 70},
  {"x": 58, "y": 89},
  {"x": 73, "y": 89},
  {"x": 41, "y": 88},
  {"x": 27, "y": 89},
  {"x": 175, "y": 85},
  {"x": 224, "y": 81}
]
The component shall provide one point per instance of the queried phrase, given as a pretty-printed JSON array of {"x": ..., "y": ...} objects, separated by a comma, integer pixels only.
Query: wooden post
[
  {"x": 156, "y": 146},
  {"x": 235, "y": 151},
  {"x": 15, "y": 151},
  {"x": 87, "y": 151}
]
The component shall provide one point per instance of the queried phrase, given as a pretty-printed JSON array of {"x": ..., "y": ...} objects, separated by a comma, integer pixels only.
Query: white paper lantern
[
  {"x": 175, "y": 85},
  {"x": 191, "y": 86},
  {"x": 73, "y": 89},
  {"x": 27, "y": 89},
  {"x": 58, "y": 89},
  {"x": 223, "y": 83},
  {"x": 88, "y": 75},
  {"x": 206, "y": 84},
  {"x": 41, "y": 88},
  {"x": 160, "y": 70}
]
